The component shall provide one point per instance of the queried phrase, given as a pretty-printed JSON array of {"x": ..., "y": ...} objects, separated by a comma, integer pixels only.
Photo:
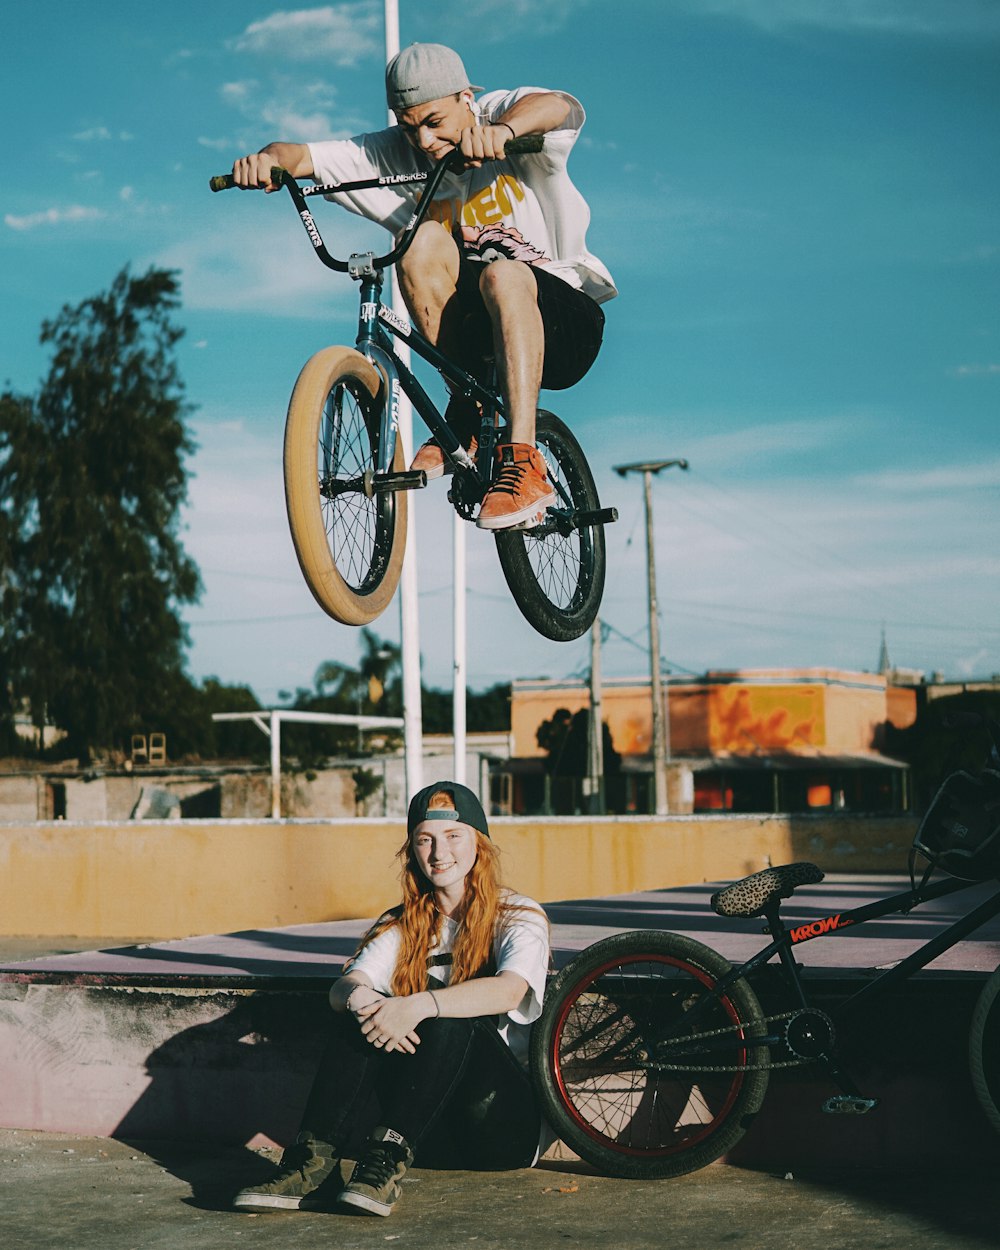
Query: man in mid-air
[{"x": 499, "y": 268}]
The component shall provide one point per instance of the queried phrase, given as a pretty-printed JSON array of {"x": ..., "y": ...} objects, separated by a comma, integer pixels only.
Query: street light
[{"x": 661, "y": 715}]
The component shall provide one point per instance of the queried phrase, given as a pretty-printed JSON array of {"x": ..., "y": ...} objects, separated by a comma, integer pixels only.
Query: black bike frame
[
  {"x": 785, "y": 938},
  {"x": 377, "y": 325}
]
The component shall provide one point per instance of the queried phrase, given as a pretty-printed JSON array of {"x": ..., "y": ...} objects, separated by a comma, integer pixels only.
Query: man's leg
[
  {"x": 428, "y": 279},
  {"x": 511, "y": 297},
  {"x": 521, "y": 492}
]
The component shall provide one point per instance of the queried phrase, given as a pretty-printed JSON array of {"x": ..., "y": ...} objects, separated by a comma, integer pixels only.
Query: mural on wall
[{"x": 766, "y": 718}]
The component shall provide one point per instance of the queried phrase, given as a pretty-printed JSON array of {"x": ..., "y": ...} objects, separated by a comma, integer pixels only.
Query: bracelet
[
  {"x": 437, "y": 1005},
  {"x": 509, "y": 127},
  {"x": 347, "y": 1004}
]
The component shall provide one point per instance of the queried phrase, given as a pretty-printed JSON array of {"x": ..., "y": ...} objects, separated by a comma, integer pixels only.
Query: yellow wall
[{"x": 163, "y": 880}]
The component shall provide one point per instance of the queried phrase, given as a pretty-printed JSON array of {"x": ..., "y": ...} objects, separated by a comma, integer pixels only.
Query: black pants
[{"x": 462, "y": 1100}]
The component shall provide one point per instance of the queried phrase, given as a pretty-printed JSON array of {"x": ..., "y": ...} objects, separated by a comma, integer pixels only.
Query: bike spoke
[
  {"x": 613, "y": 1068},
  {"x": 350, "y": 518}
]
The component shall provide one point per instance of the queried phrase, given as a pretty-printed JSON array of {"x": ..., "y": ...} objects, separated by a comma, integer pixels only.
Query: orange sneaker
[
  {"x": 521, "y": 492},
  {"x": 434, "y": 462},
  {"x": 463, "y": 415}
]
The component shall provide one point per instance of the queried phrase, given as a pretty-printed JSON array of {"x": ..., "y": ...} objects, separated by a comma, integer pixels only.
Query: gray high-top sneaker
[
  {"x": 375, "y": 1182},
  {"x": 308, "y": 1179}
]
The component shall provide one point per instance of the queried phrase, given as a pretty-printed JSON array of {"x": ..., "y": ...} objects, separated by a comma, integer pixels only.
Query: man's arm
[
  {"x": 534, "y": 114},
  {"x": 254, "y": 170}
]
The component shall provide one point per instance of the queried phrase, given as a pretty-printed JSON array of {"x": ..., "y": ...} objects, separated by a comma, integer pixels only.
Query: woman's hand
[{"x": 390, "y": 1024}]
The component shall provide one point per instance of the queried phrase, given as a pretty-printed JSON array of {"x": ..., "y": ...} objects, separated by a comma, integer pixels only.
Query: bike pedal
[
  {"x": 598, "y": 516},
  {"x": 386, "y": 483},
  {"x": 849, "y": 1104}
]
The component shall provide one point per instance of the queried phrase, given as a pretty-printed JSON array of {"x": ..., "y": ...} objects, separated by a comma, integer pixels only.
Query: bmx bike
[
  {"x": 345, "y": 481},
  {"x": 652, "y": 1053}
]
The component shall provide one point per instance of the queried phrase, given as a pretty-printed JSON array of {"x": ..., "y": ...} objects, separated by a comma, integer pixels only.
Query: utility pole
[
  {"x": 595, "y": 743},
  {"x": 661, "y": 712}
]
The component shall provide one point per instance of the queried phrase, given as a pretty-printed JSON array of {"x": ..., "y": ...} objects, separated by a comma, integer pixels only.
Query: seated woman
[{"x": 428, "y": 1045}]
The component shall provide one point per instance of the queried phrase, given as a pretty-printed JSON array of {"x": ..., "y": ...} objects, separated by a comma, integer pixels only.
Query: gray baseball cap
[{"x": 423, "y": 72}]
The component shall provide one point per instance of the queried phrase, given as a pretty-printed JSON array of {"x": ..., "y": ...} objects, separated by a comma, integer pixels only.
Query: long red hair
[{"x": 419, "y": 921}]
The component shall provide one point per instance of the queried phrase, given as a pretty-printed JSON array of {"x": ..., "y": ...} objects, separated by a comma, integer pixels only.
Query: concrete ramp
[{"x": 216, "y": 1038}]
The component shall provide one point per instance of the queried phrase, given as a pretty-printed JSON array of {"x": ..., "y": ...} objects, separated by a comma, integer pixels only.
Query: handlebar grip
[
  {"x": 225, "y": 182},
  {"x": 525, "y": 143}
]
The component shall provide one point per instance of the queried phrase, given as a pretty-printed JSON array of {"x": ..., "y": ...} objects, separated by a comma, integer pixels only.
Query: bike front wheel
[
  {"x": 349, "y": 540},
  {"x": 642, "y": 1066},
  {"x": 556, "y": 571},
  {"x": 984, "y": 1049}
]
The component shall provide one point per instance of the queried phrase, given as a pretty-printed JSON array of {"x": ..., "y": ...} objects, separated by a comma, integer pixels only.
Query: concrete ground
[
  {"x": 99, "y": 1194},
  {"x": 96, "y": 1193}
]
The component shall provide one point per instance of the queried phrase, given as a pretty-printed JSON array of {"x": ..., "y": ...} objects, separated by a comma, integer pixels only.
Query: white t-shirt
[
  {"x": 524, "y": 207},
  {"x": 521, "y": 945}
]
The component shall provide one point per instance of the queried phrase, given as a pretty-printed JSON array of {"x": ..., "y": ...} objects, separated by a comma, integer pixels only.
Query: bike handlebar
[{"x": 454, "y": 161}]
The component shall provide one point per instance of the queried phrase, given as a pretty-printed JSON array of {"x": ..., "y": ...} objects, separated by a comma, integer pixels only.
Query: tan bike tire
[{"x": 349, "y": 546}]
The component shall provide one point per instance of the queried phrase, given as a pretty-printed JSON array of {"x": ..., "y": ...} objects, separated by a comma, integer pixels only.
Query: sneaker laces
[
  {"x": 509, "y": 478},
  {"x": 378, "y": 1166}
]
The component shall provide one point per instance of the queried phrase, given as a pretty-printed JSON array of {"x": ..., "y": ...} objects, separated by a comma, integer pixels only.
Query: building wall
[
  {"x": 168, "y": 879},
  {"x": 742, "y": 712}
]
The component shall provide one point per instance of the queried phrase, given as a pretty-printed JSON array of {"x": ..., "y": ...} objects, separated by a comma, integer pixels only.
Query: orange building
[{"x": 740, "y": 740}]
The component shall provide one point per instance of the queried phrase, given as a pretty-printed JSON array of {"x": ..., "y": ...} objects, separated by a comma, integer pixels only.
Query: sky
[{"x": 798, "y": 200}]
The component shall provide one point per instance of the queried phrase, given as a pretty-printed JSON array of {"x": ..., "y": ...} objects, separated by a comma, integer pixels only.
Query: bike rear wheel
[
  {"x": 556, "y": 574},
  {"x": 640, "y": 1067},
  {"x": 349, "y": 543},
  {"x": 984, "y": 1049}
]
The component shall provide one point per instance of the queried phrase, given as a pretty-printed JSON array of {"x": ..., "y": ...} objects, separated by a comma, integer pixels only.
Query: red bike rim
[{"x": 704, "y": 1130}]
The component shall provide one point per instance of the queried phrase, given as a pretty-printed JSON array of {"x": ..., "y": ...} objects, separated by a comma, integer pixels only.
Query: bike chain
[{"x": 756, "y": 1067}]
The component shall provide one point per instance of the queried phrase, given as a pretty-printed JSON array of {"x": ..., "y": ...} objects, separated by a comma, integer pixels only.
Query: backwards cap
[
  {"x": 423, "y": 72},
  {"x": 468, "y": 810}
]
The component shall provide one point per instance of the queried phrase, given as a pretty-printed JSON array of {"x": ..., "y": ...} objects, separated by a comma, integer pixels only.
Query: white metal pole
[
  {"x": 409, "y": 617},
  {"x": 459, "y": 640},
  {"x": 275, "y": 766}
]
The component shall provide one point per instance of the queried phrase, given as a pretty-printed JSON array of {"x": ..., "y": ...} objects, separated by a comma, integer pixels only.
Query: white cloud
[
  {"x": 492, "y": 21},
  {"x": 69, "y": 215},
  {"x": 259, "y": 260},
  {"x": 217, "y": 145},
  {"x": 289, "y": 109},
  {"x": 975, "y": 371},
  {"x": 94, "y": 134},
  {"x": 980, "y": 475},
  {"x": 101, "y": 134},
  {"x": 341, "y": 34},
  {"x": 238, "y": 92},
  {"x": 761, "y": 443},
  {"x": 907, "y": 17}
]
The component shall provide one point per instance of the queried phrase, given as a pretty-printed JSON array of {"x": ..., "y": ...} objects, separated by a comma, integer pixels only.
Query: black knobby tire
[
  {"x": 984, "y": 1049},
  {"x": 349, "y": 544},
  {"x": 623, "y": 1074},
  {"x": 557, "y": 580}
]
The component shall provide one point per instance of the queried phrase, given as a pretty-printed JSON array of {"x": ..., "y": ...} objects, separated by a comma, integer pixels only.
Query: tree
[
  {"x": 934, "y": 748},
  {"x": 92, "y": 476}
]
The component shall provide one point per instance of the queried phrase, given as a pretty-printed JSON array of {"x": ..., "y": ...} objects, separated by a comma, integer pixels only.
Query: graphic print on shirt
[{"x": 484, "y": 223}]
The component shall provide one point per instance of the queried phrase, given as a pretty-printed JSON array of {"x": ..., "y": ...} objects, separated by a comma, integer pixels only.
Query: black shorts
[{"x": 572, "y": 321}]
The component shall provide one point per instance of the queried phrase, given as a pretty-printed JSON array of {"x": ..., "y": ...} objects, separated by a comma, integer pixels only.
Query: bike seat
[{"x": 752, "y": 895}]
